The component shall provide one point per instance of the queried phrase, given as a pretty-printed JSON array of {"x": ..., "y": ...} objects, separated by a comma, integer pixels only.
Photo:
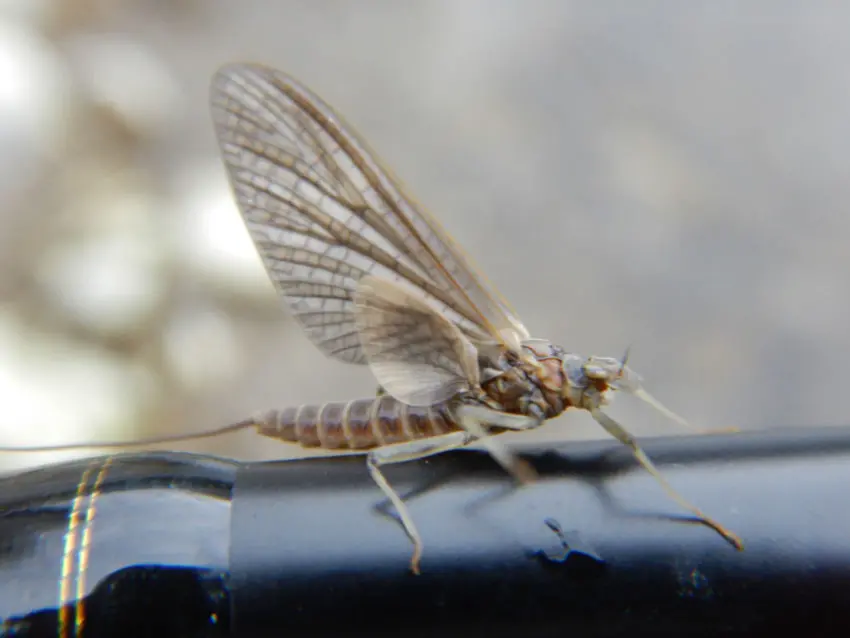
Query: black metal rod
[{"x": 173, "y": 544}]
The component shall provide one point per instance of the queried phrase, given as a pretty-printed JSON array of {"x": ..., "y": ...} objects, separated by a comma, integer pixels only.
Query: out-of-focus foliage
[
  {"x": 125, "y": 266},
  {"x": 672, "y": 176}
]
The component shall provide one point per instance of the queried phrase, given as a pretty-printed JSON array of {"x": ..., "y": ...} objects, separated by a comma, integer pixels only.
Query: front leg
[
  {"x": 619, "y": 432},
  {"x": 476, "y": 419}
]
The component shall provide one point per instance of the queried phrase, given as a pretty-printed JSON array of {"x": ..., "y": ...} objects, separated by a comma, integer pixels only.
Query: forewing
[
  {"x": 323, "y": 213},
  {"x": 416, "y": 354}
]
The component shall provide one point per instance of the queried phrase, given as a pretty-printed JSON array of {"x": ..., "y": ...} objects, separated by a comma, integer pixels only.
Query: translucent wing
[
  {"x": 323, "y": 212},
  {"x": 416, "y": 354}
]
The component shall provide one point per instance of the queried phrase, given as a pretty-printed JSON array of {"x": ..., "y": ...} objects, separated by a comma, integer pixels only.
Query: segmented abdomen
[{"x": 356, "y": 425}]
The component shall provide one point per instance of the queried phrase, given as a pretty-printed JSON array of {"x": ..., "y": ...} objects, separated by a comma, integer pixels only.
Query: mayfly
[{"x": 373, "y": 279}]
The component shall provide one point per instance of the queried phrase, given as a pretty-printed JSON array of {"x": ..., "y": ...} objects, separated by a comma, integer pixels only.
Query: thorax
[{"x": 514, "y": 386}]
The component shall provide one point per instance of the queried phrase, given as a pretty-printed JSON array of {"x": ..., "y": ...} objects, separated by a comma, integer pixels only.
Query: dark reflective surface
[
  {"x": 127, "y": 545},
  {"x": 180, "y": 545},
  {"x": 313, "y": 555}
]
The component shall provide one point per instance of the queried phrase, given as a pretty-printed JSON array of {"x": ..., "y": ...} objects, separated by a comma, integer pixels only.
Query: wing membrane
[
  {"x": 416, "y": 354},
  {"x": 324, "y": 212}
]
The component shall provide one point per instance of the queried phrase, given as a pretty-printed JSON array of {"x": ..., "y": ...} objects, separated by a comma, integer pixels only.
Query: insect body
[{"x": 373, "y": 279}]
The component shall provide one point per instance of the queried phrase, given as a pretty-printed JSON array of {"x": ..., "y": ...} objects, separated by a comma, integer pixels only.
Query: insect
[{"x": 375, "y": 280}]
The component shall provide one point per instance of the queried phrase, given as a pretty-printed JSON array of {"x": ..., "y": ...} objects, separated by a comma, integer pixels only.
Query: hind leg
[{"x": 410, "y": 451}]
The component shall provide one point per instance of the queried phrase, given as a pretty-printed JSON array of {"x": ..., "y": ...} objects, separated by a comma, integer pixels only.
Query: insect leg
[
  {"x": 619, "y": 433},
  {"x": 475, "y": 418},
  {"x": 410, "y": 451}
]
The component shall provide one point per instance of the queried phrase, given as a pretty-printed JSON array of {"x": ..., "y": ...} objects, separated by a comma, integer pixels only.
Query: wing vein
[{"x": 324, "y": 212}]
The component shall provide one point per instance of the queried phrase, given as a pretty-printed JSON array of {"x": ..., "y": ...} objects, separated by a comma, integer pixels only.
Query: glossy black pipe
[{"x": 165, "y": 544}]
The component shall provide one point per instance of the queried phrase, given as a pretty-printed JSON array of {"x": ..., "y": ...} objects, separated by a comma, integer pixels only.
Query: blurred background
[{"x": 674, "y": 176}]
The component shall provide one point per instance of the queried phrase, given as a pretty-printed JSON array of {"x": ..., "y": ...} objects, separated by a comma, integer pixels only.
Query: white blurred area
[{"x": 666, "y": 175}]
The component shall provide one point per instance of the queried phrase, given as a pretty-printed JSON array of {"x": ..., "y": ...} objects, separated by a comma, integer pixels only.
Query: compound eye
[{"x": 596, "y": 372}]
